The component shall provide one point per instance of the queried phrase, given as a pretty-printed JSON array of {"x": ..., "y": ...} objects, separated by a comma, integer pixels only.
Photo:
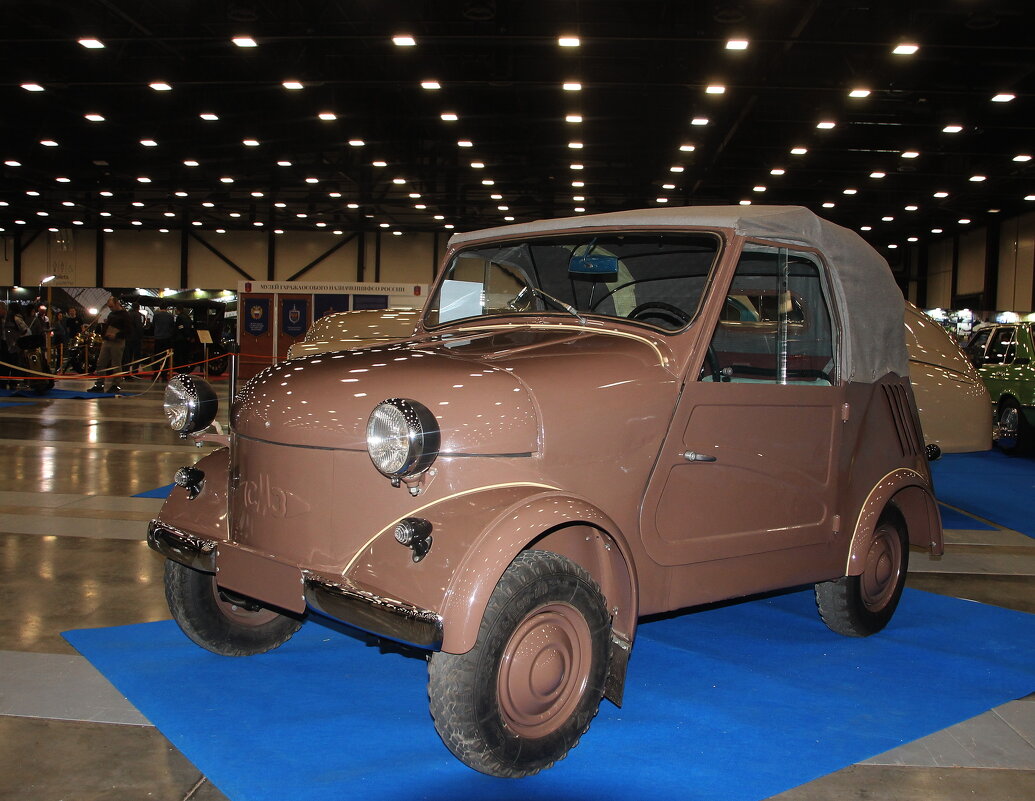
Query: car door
[{"x": 750, "y": 462}]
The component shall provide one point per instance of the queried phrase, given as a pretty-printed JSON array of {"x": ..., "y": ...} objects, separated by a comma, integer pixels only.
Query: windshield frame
[{"x": 580, "y": 316}]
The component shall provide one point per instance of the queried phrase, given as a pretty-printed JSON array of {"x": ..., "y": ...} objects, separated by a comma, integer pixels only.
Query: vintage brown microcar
[{"x": 597, "y": 418}]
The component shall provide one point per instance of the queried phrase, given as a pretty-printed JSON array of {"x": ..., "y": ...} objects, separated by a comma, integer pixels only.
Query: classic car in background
[
  {"x": 353, "y": 329},
  {"x": 1003, "y": 356},
  {"x": 597, "y": 418},
  {"x": 950, "y": 396}
]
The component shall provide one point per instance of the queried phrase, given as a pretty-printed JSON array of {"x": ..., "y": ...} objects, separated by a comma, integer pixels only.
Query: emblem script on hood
[{"x": 266, "y": 500}]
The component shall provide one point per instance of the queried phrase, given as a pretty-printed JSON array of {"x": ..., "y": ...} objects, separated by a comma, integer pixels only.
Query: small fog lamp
[
  {"x": 415, "y": 534},
  {"x": 191, "y": 479}
]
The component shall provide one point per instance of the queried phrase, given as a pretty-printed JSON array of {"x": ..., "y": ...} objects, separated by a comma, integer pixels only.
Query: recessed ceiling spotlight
[
  {"x": 250, "y": 142},
  {"x": 208, "y": 116},
  {"x": 327, "y": 116},
  {"x": 569, "y": 41},
  {"x": 1003, "y": 97},
  {"x": 507, "y": 208},
  {"x": 148, "y": 143},
  {"x": 663, "y": 186},
  {"x": 937, "y": 230},
  {"x": 859, "y": 93},
  {"x": 144, "y": 179},
  {"x": 496, "y": 196},
  {"x": 448, "y": 116},
  {"x": 573, "y": 118},
  {"x": 699, "y": 121},
  {"x": 32, "y": 193},
  {"x": 777, "y": 171},
  {"x": 12, "y": 163},
  {"x": 952, "y": 129},
  {"x": 244, "y": 41},
  {"x": 737, "y": 44},
  {"x": 661, "y": 200},
  {"x": 826, "y": 125},
  {"x": 906, "y": 49},
  {"x": 575, "y": 145},
  {"x": 758, "y": 188},
  {"x": 414, "y": 195},
  {"x": 941, "y": 194},
  {"x": 799, "y": 151},
  {"x": 911, "y": 208},
  {"x": 978, "y": 178},
  {"x": 48, "y": 143},
  {"x": 352, "y": 205},
  {"x": 32, "y": 87},
  {"x": 910, "y": 154},
  {"x": 379, "y": 163},
  {"x": 226, "y": 179},
  {"x": 477, "y": 165},
  {"x": 312, "y": 180},
  {"x": 431, "y": 85},
  {"x": 356, "y": 143},
  {"x": 160, "y": 86},
  {"x": 676, "y": 168},
  {"x": 828, "y": 205},
  {"x": 398, "y": 180},
  {"x": 745, "y": 203},
  {"x": 878, "y": 174},
  {"x": 715, "y": 89},
  {"x": 887, "y": 218},
  {"x": 465, "y": 143},
  {"x": 439, "y": 217},
  {"x": 105, "y": 193},
  {"x": 575, "y": 167},
  {"x": 913, "y": 239},
  {"x": 488, "y": 182},
  {"x": 687, "y": 148},
  {"x": 292, "y": 84},
  {"x": 283, "y": 163},
  {"x": 92, "y": 44},
  {"x": 849, "y": 191},
  {"x": 181, "y": 193},
  {"x": 63, "y": 180},
  {"x": 190, "y": 163},
  {"x": 892, "y": 247},
  {"x": 258, "y": 194},
  {"x": 964, "y": 221},
  {"x": 572, "y": 86},
  {"x": 404, "y": 40},
  {"x": 1029, "y": 197},
  {"x": 1022, "y": 157},
  {"x": 94, "y": 117}
]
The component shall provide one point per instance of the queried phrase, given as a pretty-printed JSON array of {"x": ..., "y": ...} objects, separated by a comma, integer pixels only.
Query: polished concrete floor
[{"x": 72, "y": 556}]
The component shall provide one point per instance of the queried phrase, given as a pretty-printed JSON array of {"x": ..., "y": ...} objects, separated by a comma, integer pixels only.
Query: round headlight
[
  {"x": 190, "y": 404},
  {"x": 402, "y": 437}
]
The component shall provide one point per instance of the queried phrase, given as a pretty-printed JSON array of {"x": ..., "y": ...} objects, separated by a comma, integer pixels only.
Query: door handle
[{"x": 692, "y": 456}]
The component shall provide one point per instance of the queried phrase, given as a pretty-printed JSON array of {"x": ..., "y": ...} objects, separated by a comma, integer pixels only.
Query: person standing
[
  {"x": 183, "y": 338},
  {"x": 9, "y": 346},
  {"x": 113, "y": 342},
  {"x": 164, "y": 328}
]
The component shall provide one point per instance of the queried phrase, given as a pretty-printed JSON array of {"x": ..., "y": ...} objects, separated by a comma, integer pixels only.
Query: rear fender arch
[
  {"x": 569, "y": 526},
  {"x": 911, "y": 495}
]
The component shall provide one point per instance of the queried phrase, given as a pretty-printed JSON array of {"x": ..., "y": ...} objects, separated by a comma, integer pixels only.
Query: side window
[
  {"x": 775, "y": 326},
  {"x": 1003, "y": 347},
  {"x": 976, "y": 346}
]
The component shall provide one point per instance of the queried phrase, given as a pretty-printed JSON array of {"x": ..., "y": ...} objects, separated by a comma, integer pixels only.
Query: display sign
[
  {"x": 369, "y": 302},
  {"x": 329, "y": 304},
  {"x": 256, "y": 316},
  {"x": 294, "y": 317}
]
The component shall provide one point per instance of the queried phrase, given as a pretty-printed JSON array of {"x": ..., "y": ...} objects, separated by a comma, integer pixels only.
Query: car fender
[
  {"x": 205, "y": 515},
  {"x": 910, "y": 493}
]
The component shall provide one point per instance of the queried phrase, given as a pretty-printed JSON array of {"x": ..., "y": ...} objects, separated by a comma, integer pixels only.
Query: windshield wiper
[{"x": 547, "y": 297}]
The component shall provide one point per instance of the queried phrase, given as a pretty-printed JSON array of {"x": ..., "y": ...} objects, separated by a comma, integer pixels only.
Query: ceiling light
[
  {"x": 106, "y": 193},
  {"x": 887, "y": 218},
  {"x": 419, "y": 206},
  {"x": 661, "y": 200},
  {"x": 579, "y": 209},
  {"x": 148, "y": 143},
  {"x": 12, "y": 163},
  {"x": 568, "y": 41},
  {"x": 737, "y": 44},
  {"x": 278, "y": 204},
  {"x": 404, "y": 41},
  {"x": 283, "y": 163},
  {"x": 352, "y": 205},
  {"x": 687, "y": 148},
  {"x": 913, "y": 239},
  {"x": 190, "y": 163},
  {"x": 144, "y": 179},
  {"x": 578, "y": 198},
  {"x": 663, "y": 186},
  {"x": 799, "y": 151},
  {"x": 978, "y": 178},
  {"x": 892, "y": 247},
  {"x": 877, "y": 174},
  {"x": 430, "y": 85},
  {"x": 312, "y": 180},
  {"x": 439, "y": 217},
  {"x": 507, "y": 208},
  {"x": 160, "y": 86},
  {"x": 356, "y": 142},
  {"x": 32, "y": 87},
  {"x": 910, "y": 154},
  {"x": 715, "y": 89},
  {"x": 573, "y": 118},
  {"x": 488, "y": 182},
  {"x": 180, "y": 194},
  {"x": 906, "y": 49},
  {"x": 676, "y": 168},
  {"x": 777, "y": 171},
  {"x": 226, "y": 179},
  {"x": 828, "y": 205},
  {"x": 745, "y": 203},
  {"x": 826, "y": 125},
  {"x": 327, "y": 115},
  {"x": 94, "y": 117},
  {"x": 699, "y": 121},
  {"x": 495, "y": 196},
  {"x": 1003, "y": 97},
  {"x": 169, "y": 214},
  {"x": 758, "y": 188},
  {"x": 448, "y": 116},
  {"x": 911, "y": 208},
  {"x": 1029, "y": 197},
  {"x": 235, "y": 214},
  {"x": 414, "y": 195},
  {"x": 572, "y": 86},
  {"x": 48, "y": 143},
  {"x": 32, "y": 193},
  {"x": 449, "y": 226},
  {"x": 250, "y": 142},
  {"x": 379, "y": 163},
  {"x": 398, "y": 180},
  {"x": 964, "y": 221},
  {"x": 575, "y": 167},
  {"x": 1022, "y": 157},
  {"x": 849, "y": 191},
  {"x": 575, "y": 145},
  {"x": 952, "y": 129},
  {"x": 292, "y": 84},
  {"x": 244, "y": 41},
  {"x": 941, "y": 194},
  {"x": 937, "y": 230},
  {"x": 329, "y": 194},
  {"x": 859, "y": 93},
  {"x": 63, "y": 180},
  {"x": 465, "y": 143},
  {"x": 92, "y": 44},
  {"x": 477, "y": 165},
  {"x": 208, "y": 116}
]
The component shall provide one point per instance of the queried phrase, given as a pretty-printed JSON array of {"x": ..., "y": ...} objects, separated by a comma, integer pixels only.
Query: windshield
[{"x": 653, "y": 278}]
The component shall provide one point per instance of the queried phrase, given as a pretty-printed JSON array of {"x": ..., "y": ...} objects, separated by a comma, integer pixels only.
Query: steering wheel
[
  {"x": 666, "y": 314},
  {"x": 712, "y": 364}
]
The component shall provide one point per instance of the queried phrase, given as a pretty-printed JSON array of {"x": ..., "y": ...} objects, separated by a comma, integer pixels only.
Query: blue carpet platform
[
  {"x": 991, "y": 485},
  {"x": 54, "y": 393},
  {"x": 735, "y": 703}
]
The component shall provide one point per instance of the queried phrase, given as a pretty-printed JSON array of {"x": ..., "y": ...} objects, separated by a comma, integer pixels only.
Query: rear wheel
[
  {"x": 1015, "y": 434},
  {"x": 858, "y": 606},
  {"x": 524, "y": 695},
  {"x": 219, "y": 621}
]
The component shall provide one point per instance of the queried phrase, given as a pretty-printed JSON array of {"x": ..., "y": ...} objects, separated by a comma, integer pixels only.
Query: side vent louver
[{"x": 908, "y": 435}]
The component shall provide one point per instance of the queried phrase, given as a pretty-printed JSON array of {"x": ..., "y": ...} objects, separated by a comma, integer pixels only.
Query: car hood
[{"x": 481, "y": 386}]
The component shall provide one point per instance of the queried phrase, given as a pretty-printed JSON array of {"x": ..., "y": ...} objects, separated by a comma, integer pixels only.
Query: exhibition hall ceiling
[{"x": 906, "y": 121}]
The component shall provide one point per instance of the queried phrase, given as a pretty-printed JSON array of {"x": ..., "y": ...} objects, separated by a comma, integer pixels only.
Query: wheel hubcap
[
  {"x": 883, "y": 567},
  {"x": 544, "y": 670},
  {"x": 1009, "y": 425},
  {"x": 238, "y": 613}
]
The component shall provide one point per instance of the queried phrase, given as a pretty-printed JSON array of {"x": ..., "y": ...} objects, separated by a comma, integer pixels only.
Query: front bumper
[{"x": 336, "y": 597}]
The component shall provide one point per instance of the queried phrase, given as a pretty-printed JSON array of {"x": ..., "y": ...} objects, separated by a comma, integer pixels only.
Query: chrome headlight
[
  {"x": 190, "y": 404},
  {"x": 402, "y": 437}
]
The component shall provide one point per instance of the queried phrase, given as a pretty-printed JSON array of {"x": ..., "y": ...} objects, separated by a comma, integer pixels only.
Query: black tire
[
  {"x": 523, "y": 696},
  {"x": 858, "y": 606},
  {"x": 1015, "y": 434},
  {"x": 219, "y": 622}
]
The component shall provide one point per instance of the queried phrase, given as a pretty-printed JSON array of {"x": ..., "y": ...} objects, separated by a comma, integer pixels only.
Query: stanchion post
[{"x": 233, "y": 351}]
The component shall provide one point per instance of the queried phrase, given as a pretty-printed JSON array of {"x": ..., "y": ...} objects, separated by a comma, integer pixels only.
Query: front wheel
[
  {"x": 523, "y": 696},
  {"x": 858, "y": 606},
  {"x": 219, "y": 621}
]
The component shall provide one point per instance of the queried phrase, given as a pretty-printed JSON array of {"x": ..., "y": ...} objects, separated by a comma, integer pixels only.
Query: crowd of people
[{"x": 27, "y": 327}]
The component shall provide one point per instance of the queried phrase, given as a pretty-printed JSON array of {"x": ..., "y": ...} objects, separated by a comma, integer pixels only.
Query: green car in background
[{"x": 1003, "y": 356}]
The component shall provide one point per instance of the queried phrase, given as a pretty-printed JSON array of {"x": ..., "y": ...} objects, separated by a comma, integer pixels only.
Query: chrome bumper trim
[
  {"x": 346, "y": 601},
  {"x": 182, "y": 547}
]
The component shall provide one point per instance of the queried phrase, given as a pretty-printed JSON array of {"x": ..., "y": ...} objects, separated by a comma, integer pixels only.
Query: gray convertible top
[{"x": 870, "y": 302}]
